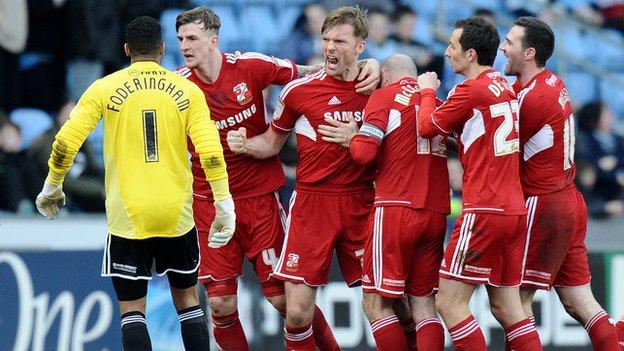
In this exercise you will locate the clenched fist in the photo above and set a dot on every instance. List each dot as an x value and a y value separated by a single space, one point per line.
428 80
236 140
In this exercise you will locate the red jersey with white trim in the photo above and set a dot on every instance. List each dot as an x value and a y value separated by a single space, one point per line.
235 100
411 170
303 105
483 115
546 135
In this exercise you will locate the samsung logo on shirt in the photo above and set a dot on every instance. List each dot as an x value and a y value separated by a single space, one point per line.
237 118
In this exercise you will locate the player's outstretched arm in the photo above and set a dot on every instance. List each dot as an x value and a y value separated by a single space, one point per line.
265 145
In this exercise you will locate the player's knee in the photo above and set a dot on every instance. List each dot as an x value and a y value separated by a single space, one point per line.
279 302
222 305
299 315
498 311
443 303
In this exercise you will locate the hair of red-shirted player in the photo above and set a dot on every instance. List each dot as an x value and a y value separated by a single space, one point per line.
143 36
352 15
537 35
202 15
481 36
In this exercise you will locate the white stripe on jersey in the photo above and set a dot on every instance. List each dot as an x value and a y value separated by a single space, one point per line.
184 72
524 92
303 127
394 121
320 75
542 140
473 129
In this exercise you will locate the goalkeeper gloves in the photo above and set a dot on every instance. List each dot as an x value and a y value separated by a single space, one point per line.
223 226
49 199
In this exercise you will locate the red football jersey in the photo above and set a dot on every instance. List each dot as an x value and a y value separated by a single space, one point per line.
235 100
483 115
411 170
546 135
303 106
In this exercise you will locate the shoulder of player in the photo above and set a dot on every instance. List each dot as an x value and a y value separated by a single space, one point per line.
249 60
299 84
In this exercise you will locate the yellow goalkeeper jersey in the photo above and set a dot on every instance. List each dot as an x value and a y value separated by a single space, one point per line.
148 112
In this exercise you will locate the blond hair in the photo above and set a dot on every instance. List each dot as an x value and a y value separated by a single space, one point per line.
355 16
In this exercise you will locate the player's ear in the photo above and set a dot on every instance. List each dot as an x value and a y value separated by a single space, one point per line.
471 55
360 47
529 54
127 49
161 49
214 41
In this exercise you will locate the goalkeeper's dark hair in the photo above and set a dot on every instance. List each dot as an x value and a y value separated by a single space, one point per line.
203 16
481 36
143 36
539 36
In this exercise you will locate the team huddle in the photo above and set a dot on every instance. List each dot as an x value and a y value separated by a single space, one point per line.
372 185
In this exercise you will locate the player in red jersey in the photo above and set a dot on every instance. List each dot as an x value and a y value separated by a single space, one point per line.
557 221
333 195
232 85
406 233
487 243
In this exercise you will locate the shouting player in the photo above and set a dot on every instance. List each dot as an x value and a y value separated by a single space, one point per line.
333 195
233 85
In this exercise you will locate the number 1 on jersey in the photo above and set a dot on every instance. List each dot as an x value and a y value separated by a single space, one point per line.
150 135
569 139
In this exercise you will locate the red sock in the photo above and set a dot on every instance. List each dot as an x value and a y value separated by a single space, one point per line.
522 336
389 334
619 326
323 335
467 336
602 333
299 339
430 335
228 333
409 330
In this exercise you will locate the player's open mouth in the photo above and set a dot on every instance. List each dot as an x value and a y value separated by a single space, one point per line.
331 60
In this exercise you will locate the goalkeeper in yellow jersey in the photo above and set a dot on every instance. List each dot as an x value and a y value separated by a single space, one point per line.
148 113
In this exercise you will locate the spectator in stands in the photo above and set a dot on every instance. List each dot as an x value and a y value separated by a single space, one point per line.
14 196
305 40
41 67
13 34
613 13
602 150
378 45
404 19
84 184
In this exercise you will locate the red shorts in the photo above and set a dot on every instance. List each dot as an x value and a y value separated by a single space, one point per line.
556 255
259 236
486 249
403 251
318 224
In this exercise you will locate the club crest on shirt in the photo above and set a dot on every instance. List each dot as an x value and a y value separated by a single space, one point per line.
243 95
292 264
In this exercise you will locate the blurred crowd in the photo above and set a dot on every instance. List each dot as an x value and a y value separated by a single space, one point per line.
52 50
